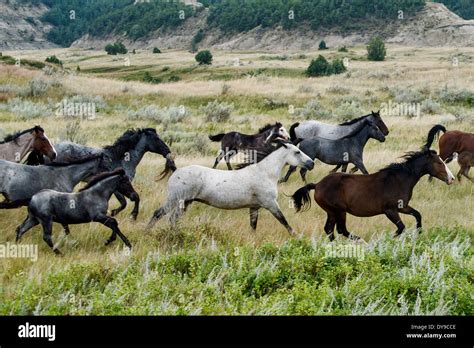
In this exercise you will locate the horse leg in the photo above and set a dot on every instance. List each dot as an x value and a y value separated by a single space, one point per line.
122 201
111 223
395 218
158 214
465 172
341 227
303 174
359 164
329 226
276 212
335 169
47 223
136 199
10 205
228 156
66 228
290 171
219 158
29 222
353 170
415 213
253 218
459 174
344 167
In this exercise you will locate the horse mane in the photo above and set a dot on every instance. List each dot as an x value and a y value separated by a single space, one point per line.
79 161
128 140
357 130
269 126
102 176
14 136
347 123
407 164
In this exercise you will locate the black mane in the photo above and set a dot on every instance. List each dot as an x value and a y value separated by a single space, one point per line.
407 164
79 161
347 123
14 136
102 176
269 126
126 142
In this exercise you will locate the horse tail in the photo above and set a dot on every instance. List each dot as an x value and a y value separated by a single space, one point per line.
301 197
217 137
432 134
292 131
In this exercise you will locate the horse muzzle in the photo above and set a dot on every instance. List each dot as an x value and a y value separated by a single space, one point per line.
308 165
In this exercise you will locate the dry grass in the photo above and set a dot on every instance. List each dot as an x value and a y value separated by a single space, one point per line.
410 68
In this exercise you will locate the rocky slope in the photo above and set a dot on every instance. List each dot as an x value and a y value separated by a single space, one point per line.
20 27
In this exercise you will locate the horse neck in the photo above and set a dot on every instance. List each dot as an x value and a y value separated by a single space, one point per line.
105 188
21 145
273 164
135 155
78 172
349 128
409 180
362 137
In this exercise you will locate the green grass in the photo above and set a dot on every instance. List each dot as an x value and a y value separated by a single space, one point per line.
429 273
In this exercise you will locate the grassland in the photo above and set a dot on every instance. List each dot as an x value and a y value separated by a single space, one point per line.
213 263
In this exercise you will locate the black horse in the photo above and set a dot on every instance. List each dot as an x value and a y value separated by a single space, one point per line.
232 142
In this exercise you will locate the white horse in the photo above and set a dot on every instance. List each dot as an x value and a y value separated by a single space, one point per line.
312 128
253 187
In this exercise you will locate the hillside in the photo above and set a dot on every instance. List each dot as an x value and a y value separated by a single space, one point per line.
148 25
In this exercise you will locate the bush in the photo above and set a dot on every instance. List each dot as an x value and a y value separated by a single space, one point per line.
217 112
313 110
338 67
204 57
343 49
26 109
376 49
147 77
36 87
166 116
54 60
156 50
322 45
116 48
318 67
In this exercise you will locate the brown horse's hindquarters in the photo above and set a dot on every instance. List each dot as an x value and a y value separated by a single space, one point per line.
455 141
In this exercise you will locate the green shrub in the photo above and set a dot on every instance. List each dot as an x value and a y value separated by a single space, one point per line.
376 49
116 48
204 57
322 45
54 60
156 50
217 112
318 67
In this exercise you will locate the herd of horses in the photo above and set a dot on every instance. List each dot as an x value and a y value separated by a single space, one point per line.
42 176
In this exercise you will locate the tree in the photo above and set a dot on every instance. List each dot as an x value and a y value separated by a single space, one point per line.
54 60
204 57
376 49
338 67
318 67
156 50
322 45
116 48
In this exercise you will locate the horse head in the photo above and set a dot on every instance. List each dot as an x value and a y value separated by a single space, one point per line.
41 144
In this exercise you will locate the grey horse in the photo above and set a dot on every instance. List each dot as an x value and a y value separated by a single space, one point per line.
88 205
126 153
312 128
341 152
19 182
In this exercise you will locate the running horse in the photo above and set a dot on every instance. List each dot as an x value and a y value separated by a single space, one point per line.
15 146
450 142
387 191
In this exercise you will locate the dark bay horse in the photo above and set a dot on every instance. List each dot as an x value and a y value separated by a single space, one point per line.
90 204
341 152
127 152
233 142
15 146
450 142
387 191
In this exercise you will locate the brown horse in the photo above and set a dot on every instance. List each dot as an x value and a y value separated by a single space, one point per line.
450 142
387 191
15 146
465 161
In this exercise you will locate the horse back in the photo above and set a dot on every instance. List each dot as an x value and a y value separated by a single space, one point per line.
455 141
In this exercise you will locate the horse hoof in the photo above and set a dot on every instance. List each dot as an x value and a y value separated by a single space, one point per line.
57 252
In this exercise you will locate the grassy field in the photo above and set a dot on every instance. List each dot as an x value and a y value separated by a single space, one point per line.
213 263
